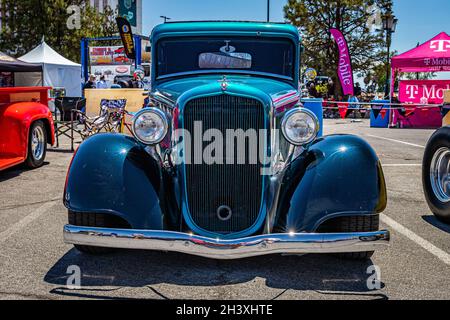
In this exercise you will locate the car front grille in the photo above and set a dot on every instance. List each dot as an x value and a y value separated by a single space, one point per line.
235 187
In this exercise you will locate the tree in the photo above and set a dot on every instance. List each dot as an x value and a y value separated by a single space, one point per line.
28 21
418 76
375 78
353 18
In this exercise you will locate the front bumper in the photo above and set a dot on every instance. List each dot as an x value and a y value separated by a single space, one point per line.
298 243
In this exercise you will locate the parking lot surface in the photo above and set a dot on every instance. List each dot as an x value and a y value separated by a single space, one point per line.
34 259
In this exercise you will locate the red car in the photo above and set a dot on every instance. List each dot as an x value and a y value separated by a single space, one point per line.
26 126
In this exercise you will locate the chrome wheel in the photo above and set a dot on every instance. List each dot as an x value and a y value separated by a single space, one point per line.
38 143
440 174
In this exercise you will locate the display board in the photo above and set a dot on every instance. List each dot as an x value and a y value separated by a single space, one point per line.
135 99
109 61
423 91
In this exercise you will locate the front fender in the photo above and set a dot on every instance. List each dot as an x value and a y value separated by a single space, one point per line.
113 174
15 123
337 176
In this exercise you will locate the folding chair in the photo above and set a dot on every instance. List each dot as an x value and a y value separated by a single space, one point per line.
116 110
110 118
64 117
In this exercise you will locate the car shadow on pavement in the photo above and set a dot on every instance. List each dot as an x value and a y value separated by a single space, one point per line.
436 223
57 150
16 171
322 274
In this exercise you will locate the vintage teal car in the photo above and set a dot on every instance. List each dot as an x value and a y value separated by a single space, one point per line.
225 162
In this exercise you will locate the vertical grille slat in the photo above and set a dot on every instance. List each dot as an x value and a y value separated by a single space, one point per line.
238 186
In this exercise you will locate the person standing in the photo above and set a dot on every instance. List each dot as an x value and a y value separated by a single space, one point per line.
102 84
358 90
312 90
90 84
330 88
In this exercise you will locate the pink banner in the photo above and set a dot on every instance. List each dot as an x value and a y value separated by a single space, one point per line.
345 70
433 55
423 91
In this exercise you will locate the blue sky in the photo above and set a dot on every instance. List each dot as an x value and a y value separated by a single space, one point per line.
419 20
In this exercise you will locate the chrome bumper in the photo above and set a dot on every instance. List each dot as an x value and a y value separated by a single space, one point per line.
298 243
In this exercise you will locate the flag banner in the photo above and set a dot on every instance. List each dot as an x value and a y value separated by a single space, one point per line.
343 110
345 71
127 37
376 109
445 109
128 9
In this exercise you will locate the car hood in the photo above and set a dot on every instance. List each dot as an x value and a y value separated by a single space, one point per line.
272 91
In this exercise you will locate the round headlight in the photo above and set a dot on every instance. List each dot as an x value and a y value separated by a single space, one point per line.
300 126
150 126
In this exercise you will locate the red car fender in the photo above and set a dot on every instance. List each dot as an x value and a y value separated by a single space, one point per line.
15 122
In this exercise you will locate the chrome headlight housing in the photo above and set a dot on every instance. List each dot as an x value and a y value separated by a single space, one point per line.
150 126
300 126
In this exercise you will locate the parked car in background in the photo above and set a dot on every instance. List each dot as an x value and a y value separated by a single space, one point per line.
436 174
26 126
174 186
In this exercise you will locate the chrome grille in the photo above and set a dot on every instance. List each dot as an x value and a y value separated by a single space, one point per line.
237 186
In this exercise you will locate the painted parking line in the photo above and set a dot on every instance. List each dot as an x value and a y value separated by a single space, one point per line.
26 221
428 246
397 141
395 165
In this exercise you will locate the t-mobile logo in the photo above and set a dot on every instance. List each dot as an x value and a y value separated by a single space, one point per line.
440 45
412 91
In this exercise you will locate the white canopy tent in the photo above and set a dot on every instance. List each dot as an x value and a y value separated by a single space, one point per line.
57 71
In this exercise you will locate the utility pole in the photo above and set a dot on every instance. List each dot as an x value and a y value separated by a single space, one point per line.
165 18
268 10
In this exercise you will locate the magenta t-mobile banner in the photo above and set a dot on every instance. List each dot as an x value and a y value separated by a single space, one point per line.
345 70
423 91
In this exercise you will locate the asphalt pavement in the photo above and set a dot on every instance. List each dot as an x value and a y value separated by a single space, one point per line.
34 261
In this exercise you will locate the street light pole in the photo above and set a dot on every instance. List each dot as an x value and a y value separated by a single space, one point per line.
388 65
389 25
268 10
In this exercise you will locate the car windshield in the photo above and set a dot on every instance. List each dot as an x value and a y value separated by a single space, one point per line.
260 55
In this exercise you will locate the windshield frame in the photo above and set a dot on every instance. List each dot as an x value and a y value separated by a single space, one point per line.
295 62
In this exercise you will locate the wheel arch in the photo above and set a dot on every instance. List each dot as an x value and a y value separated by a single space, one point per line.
113 174
337 176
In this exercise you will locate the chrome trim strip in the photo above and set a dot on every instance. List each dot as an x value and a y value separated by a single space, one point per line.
289 243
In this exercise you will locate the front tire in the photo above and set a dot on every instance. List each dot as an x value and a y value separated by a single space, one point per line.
89 220
436 175
37 145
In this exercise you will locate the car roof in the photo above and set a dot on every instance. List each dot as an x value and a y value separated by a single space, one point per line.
186 28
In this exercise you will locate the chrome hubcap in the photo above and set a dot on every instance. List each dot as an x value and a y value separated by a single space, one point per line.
440 174
37 143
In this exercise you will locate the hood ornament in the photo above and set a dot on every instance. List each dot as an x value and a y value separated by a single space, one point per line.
224 83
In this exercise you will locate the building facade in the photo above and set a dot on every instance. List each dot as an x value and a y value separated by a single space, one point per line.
130 8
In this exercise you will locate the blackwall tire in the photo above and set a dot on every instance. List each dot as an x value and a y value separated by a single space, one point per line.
37 145
349 225
435 177
89 220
